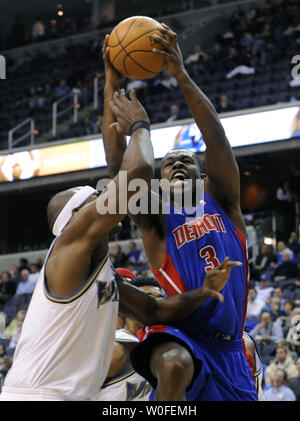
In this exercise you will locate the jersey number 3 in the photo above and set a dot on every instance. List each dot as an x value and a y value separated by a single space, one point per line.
209 254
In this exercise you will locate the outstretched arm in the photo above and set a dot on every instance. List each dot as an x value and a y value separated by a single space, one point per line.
114 142
148 310
220 163
151 226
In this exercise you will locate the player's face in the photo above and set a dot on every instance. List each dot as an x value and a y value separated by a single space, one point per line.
178 167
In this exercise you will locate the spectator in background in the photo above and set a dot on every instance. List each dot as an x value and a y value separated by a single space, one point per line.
7 288
287 270
263 261
118 257
254 306
136 258
82 92
140 86
37 101
274 309
293 243
39 263
195 56
293 335
87 126
224 104
278 391
164 82
26 286
97 125
15 337
5 364
34 273
38 30
280 247
282 360
286 208
238 63
174 113
14 273
62 89
134 254
48 94
264 290
23 264
267 331
294 383
12 328
286 320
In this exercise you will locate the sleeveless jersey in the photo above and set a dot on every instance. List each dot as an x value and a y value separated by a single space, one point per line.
258 371
195 245
66 344
129 386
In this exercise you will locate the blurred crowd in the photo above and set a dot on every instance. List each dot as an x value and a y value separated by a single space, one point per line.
247 65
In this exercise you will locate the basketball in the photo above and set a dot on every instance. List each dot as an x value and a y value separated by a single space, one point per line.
130 48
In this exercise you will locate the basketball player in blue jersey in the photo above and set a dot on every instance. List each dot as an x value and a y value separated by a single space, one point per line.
202 358
67 337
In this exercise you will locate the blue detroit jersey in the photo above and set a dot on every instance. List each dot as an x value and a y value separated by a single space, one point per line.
195 246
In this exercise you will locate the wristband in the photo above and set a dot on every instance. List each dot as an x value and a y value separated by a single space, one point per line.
139 124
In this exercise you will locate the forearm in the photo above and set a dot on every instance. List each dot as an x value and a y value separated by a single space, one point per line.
203 111
138 160
114 143
148 310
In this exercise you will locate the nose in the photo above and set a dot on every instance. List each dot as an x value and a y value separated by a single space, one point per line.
177 164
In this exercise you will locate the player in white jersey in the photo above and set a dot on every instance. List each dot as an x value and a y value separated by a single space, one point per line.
256 363
122 382
67 338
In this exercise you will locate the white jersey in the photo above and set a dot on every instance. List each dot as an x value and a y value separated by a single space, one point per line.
128 387
66 344
258 373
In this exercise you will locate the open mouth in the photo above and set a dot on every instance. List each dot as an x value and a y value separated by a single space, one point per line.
178 176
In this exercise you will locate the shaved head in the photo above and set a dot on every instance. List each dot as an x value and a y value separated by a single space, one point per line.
57 203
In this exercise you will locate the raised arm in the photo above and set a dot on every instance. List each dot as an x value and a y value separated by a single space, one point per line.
151 226
114 142
220 163
92 224
176 308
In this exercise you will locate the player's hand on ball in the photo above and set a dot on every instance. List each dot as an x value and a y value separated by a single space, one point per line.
112 77
127 111
216 279
171 52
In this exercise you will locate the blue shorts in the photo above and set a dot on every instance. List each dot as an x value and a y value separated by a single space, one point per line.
222 371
